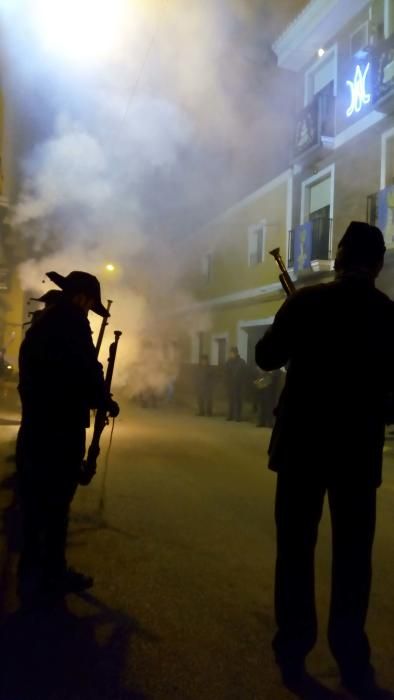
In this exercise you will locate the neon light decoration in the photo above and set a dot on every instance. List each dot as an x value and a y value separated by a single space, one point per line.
358 92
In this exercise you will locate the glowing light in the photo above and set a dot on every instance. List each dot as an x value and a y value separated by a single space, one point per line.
321 53
110 267
79 30
359 95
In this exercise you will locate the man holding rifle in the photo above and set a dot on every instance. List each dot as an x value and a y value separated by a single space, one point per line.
337 341
61 380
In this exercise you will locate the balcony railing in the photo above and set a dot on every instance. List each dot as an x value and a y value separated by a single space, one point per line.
321 241
314 123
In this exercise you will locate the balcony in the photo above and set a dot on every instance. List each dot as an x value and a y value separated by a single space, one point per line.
321 253
315 127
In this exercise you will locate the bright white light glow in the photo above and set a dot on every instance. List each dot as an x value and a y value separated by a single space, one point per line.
358 92
110 267
321 53
79 30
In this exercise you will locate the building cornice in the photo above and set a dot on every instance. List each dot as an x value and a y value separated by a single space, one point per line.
234 298
314 27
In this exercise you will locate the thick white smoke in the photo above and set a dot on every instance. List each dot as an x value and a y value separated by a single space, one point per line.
119 165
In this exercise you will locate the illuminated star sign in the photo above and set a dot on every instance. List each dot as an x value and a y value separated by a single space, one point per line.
359 95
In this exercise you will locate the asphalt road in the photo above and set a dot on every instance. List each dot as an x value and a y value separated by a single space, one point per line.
183 558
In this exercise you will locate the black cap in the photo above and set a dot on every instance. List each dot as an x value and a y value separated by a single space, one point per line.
50 297
361 245
78 282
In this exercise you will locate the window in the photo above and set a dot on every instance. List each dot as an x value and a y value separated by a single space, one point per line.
207 267
317 206
319 195
256 244
321 228
359 41
320 75
376 25
389 18
219 345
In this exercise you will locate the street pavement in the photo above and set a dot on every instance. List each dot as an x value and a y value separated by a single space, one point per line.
181 546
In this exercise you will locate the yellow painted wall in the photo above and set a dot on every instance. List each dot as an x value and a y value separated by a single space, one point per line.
227 240
2 136
227 319
13 318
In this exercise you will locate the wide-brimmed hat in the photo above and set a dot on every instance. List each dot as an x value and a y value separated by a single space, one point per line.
50 297
78 282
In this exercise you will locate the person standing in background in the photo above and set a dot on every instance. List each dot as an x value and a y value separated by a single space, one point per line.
204 386
236 370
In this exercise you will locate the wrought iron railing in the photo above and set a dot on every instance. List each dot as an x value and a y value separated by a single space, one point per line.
314 122
321 241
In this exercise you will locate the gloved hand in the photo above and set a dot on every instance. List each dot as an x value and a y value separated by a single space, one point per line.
113 408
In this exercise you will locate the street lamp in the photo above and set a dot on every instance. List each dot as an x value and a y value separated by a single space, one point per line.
79 30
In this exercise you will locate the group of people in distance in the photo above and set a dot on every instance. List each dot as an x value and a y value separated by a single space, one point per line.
240 382
336 341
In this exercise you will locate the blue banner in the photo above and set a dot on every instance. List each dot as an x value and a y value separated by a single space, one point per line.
303 246
385 218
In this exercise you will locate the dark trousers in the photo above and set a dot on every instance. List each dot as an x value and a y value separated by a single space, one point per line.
48 468
264 409
235 403
298 510
204 402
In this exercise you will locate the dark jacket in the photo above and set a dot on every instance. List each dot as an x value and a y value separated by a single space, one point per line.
60 378
204 378
235 369
337 341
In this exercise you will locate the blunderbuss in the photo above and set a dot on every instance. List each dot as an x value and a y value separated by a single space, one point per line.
89 465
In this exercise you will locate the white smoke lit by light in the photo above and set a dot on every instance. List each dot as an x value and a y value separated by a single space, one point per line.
124 119
79 30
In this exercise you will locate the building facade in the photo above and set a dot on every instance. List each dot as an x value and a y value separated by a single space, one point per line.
11 295
236 283
341 167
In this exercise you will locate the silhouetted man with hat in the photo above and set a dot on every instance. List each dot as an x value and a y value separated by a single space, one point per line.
49 299
60 382
337 341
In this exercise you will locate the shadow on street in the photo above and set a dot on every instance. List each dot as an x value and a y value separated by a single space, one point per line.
51 653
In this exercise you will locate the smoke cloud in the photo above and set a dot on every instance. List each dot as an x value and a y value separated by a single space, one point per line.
121 159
